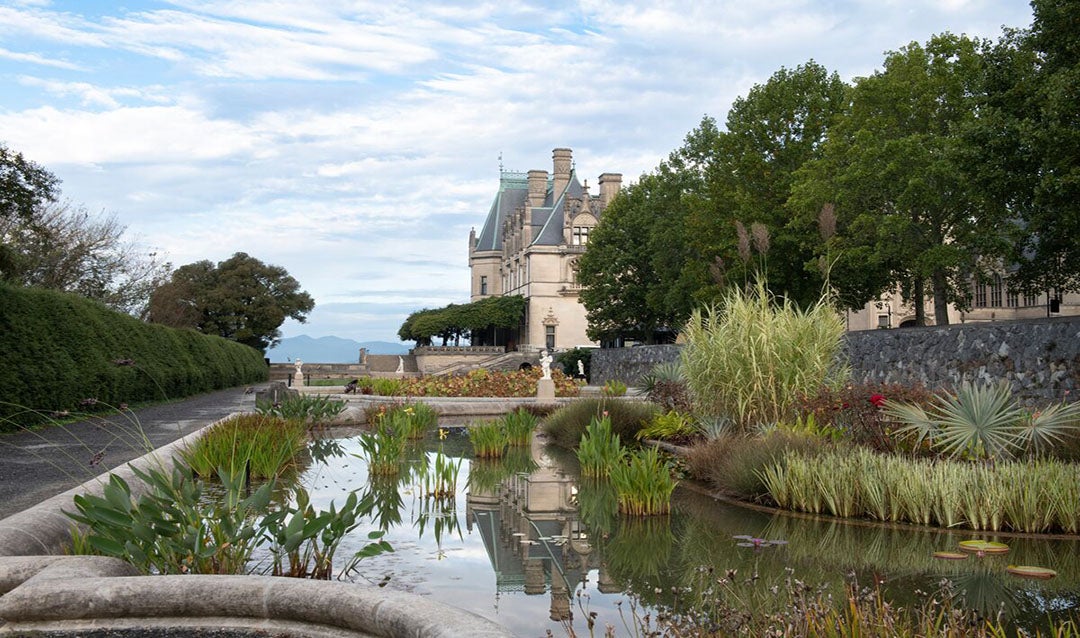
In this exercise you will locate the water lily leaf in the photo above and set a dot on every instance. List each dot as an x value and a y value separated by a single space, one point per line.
1029 571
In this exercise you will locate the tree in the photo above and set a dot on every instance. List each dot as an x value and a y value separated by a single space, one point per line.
63 247
770 133
1025 146
893 169
241 299
459 320
24 188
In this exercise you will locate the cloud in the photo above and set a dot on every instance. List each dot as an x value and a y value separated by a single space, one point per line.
34 58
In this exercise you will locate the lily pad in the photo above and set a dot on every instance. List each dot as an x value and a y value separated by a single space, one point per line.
1028 571
985 547
950 555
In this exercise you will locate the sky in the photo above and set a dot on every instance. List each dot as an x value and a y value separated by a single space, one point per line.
356 143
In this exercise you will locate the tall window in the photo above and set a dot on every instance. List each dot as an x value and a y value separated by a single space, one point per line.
549 337
483 284
1012 299
995 292
580 235
1030 299
980 294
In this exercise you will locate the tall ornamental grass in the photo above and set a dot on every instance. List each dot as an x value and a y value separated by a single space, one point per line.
754 357
1036 496
270 444
519 426
489 439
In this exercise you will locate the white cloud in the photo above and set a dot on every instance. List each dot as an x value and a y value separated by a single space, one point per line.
34 58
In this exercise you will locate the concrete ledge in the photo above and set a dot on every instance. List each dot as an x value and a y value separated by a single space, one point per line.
360 610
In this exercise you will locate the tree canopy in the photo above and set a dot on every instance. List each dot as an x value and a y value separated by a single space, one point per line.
459 320
241 298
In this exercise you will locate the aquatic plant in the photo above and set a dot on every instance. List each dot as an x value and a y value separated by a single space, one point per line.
307 408
600 450
439 480
644 483
566 425
261 444
488 439
384 448
519 426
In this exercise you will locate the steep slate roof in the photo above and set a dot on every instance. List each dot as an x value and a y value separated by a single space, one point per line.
547 220
513 192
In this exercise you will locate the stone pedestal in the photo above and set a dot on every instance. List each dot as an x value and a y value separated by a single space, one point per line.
545 390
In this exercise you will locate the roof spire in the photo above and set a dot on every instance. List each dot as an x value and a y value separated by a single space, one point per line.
500 162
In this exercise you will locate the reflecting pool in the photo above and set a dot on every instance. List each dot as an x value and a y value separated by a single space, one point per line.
528 544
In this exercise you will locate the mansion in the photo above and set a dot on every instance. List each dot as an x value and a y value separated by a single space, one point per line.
534 233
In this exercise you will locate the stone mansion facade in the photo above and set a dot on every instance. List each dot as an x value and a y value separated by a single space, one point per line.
537 228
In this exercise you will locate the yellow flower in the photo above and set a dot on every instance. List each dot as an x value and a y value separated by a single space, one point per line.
442 434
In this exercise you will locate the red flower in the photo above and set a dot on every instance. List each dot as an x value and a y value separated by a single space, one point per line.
877 399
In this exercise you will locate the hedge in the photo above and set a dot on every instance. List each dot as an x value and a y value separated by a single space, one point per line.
58 351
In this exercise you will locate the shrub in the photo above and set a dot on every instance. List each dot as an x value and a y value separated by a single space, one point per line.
566 425
856 410
387 387
568 360
72 353
670 426
306 408
732 463
753 358
614 388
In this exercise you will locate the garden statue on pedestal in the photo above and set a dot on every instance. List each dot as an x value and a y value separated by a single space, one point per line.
545 387
298 376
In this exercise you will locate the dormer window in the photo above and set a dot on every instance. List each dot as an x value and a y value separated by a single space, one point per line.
580 235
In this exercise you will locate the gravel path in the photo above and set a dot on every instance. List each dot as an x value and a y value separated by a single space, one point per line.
41 463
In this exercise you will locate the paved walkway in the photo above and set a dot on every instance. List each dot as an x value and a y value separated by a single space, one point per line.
38 464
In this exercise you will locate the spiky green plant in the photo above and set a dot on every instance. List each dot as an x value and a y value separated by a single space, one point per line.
614 388
669 425
754 357
644 483
488 439
308 408
600 449
981 421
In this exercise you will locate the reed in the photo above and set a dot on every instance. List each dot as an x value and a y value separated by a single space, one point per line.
263 445
488 439
644 484
519 426
600 450
440 480
1038 496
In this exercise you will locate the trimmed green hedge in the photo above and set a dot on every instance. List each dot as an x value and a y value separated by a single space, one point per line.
57 350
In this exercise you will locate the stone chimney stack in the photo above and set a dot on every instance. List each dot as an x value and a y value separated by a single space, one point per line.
537 187
610 183
563 159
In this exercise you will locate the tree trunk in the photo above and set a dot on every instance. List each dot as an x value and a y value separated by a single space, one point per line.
941 298
918 298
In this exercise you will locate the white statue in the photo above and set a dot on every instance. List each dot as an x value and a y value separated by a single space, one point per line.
545 363
298 376
400 365
581 368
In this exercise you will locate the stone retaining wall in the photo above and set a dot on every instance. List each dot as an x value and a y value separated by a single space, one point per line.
1040 358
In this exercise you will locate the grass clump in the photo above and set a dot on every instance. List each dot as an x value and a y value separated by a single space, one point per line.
489 439
732 463
384 448
270 444
671 425
644 483
752 359
519 426
566 425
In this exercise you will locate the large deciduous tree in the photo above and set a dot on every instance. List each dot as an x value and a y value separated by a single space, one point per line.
241 298
893 168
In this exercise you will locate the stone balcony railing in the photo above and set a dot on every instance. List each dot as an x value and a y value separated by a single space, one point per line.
430 350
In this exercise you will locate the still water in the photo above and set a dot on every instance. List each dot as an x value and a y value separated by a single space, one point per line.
528 544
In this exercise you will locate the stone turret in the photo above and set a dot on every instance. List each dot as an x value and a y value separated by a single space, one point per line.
610 183
563 160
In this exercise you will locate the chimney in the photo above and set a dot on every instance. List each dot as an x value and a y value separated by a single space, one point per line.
610 183
562 158
537 187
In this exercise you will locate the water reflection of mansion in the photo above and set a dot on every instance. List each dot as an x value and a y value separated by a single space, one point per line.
533 536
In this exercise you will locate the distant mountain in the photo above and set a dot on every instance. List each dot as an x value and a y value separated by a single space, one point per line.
329 349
